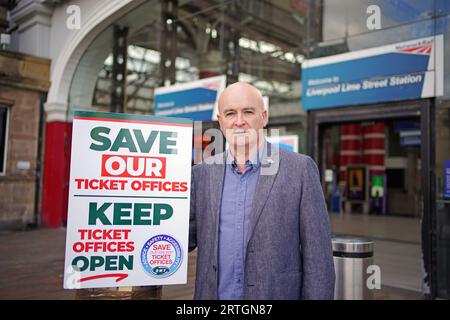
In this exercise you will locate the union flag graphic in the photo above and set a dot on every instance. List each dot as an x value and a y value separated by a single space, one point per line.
424 49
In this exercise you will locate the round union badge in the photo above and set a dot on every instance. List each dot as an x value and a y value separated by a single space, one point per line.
161 256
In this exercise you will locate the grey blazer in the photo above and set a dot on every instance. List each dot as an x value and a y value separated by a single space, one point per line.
288 253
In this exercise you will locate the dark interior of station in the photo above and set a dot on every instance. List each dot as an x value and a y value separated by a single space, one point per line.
389 157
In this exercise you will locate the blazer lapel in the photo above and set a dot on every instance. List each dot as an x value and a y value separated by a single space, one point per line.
263 188
216 176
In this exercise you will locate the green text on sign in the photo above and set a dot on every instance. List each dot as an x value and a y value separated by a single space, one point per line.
133 140
129 213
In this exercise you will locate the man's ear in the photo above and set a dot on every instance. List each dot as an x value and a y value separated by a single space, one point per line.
219 120
265 116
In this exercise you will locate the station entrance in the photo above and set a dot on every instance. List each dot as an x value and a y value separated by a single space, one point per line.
374 159
372 166
374 163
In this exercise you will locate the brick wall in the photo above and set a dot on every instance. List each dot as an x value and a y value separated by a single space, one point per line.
22 83
17 186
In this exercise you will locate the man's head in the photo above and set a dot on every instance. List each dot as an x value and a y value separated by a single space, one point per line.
241 115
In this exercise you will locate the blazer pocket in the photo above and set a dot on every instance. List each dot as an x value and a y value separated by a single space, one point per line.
288 285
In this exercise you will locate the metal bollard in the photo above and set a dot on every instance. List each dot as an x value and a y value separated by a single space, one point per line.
352 256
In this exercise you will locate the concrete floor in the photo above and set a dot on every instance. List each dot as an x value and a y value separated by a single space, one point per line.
32 263
396 229
400 264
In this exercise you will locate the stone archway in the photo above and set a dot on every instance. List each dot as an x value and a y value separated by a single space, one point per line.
67 48
66 57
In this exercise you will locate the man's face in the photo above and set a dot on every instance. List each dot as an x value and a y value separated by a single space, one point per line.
241 115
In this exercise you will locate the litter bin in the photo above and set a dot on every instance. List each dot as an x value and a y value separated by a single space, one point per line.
352 256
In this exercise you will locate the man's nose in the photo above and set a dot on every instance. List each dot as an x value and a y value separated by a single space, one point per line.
239 120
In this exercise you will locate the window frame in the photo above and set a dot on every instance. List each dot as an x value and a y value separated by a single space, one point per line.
6 140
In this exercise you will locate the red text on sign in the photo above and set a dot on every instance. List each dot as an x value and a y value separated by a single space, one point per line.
104 234
104 246
100 184
162 247
133 166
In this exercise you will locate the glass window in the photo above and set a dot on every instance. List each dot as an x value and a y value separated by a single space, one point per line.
346 24
442 7
3 132
442 138
443 198
348 17
263 45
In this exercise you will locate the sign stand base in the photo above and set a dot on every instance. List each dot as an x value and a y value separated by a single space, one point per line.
120 293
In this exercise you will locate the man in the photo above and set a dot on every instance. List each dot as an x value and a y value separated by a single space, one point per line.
260 233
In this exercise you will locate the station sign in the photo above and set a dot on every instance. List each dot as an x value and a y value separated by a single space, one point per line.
196 100
287 142
400 71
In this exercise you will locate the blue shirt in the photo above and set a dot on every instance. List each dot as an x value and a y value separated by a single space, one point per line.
237 199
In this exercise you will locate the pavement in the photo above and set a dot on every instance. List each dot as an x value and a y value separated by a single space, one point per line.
31 268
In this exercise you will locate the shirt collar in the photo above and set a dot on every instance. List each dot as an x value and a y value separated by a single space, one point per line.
254 162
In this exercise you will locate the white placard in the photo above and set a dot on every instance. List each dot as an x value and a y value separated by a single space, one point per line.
129 199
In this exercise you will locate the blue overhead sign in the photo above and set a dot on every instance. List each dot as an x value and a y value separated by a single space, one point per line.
401 71
196 100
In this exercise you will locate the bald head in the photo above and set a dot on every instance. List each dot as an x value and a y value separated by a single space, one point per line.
242 116
240 93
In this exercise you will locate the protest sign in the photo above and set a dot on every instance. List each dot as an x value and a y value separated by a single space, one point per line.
129 198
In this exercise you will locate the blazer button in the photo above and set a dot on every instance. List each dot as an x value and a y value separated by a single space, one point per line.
214 268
